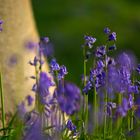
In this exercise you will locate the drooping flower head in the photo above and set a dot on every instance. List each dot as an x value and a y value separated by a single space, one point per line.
125 106
89 41
21 109
1 22
45 82
111 48
42 88
101 51
71 126
29 100
45 47
68 97
54 65
107 30
35 61
62 72
88 87
138 68
112 36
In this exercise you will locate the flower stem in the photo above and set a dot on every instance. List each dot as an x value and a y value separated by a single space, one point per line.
105 100
119 122
105 116
95 110
131 117
2 104
85 96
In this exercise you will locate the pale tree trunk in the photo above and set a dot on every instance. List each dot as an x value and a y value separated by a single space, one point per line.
18 27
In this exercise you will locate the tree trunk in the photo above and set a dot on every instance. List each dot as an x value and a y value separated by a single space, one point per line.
18 27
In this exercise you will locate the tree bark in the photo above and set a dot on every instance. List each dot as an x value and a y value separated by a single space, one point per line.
18 27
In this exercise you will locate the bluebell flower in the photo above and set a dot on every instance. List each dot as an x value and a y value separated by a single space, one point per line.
21 109
62 72
100 80
137 104
100 64
1 22
138 68
112 36
125 79
93 74
89 41
126 60
130 101
71 126
35 131
133 89
107 30
34 88
110 107
101 51
68 97
122 110
46 47
45 82
97 76
110 61
112 80
29 100
35 61
88 87
111 48
54 65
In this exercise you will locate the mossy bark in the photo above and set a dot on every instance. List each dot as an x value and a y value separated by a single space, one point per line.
18 28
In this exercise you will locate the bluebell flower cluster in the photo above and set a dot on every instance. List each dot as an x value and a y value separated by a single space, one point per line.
111 80
68 97
111 35
61 70
45 82
113 76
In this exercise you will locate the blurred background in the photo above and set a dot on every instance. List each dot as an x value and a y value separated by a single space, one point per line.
66 22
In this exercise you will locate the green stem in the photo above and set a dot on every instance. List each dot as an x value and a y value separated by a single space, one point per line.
119 122
85 96
129 123
132 115
105 116
95 111
36 95
106 100
2 104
